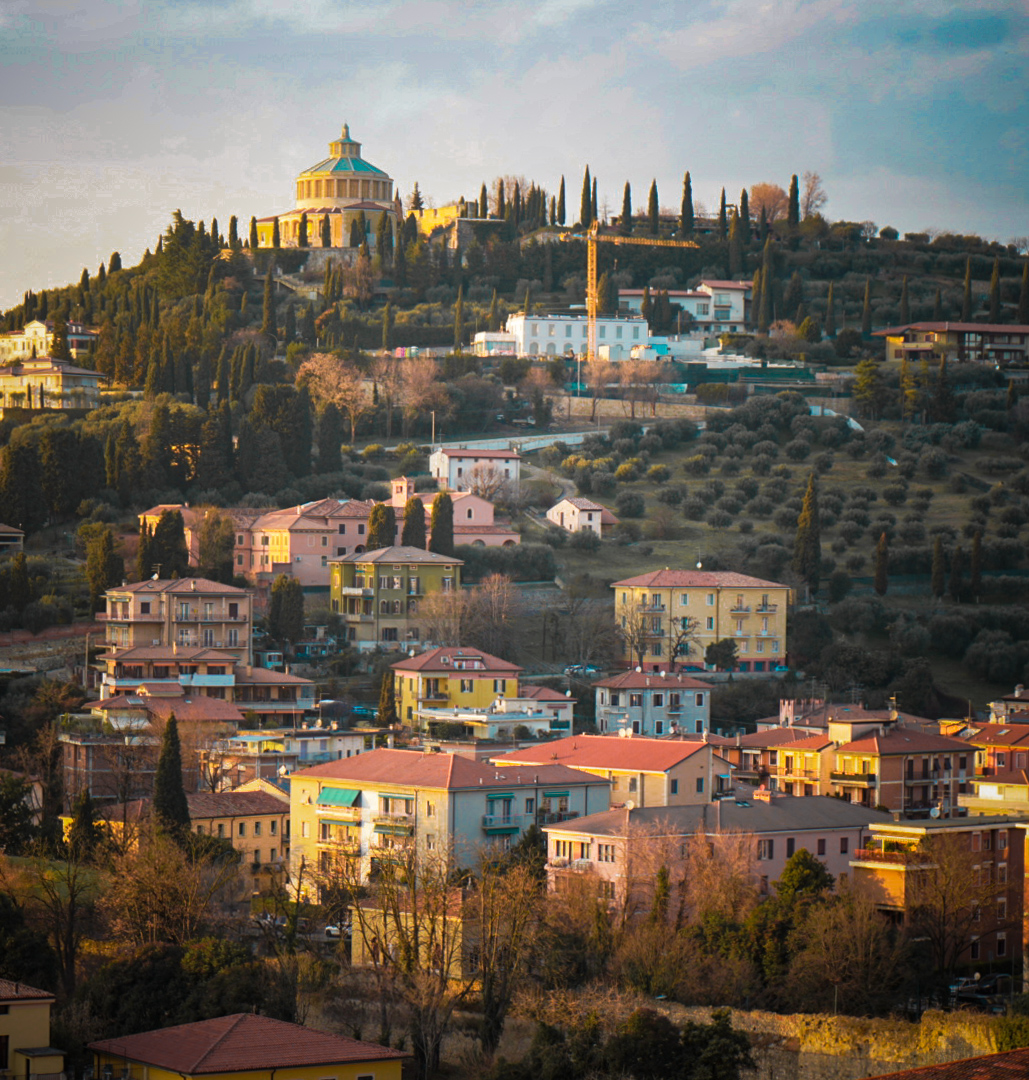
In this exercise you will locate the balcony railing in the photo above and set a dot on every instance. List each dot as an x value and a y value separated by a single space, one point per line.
651 607
766 608
343 847
344 813
740 609
857 779
501 821
894 858
196 616
800 774
393 819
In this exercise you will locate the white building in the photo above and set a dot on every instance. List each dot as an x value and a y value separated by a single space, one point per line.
716 306
499 721
575 514
460 468
653 703
565 335
494 343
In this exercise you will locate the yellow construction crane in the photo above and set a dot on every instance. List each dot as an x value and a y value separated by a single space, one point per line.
592 238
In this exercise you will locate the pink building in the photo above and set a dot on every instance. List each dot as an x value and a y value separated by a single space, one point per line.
473 516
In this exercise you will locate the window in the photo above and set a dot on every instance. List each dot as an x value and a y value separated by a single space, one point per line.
257 828
221 830
791 845
635 701
821 845
1002 944
305 828
674 787
466 686
273 827
844 845
710 623
632 783
659 701
1002 839
766 849
973 949
530 806
700 701
1002 909
144 607
242 828
200 830
700 785
605 853
1002 873
389 633
430 809
710 599
977 841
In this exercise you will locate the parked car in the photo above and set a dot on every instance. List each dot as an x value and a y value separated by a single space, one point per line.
340 929
582 669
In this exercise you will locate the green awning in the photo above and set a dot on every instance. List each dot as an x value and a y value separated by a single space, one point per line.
555 794
338 797
500 795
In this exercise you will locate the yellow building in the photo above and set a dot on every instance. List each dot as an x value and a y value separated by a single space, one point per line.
25 1050
48 384
671 616
378 593
340 189
452 678
243 1046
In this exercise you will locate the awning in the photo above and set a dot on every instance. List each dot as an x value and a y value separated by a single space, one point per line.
338 797
500 795
555 794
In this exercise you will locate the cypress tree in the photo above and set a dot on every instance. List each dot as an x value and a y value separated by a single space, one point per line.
268 314
493 315
646 304
882 561
501 205
905 307
483 208
459 318
723 221
302 233
286 609
793 213
735 245
387 326
975 567
830 313
233 232
85 834
994 292
765 311
938 307
387 700
687 221
442 525
745 214
382 527
653 212
957 565
966 301
253 234
553 210
762 225
171 810
325 231
625 220
807 547
561 202
413 534
289 332
307 328
1022 315
793 299
866 311
937 577
114 263
330 438
276 237
593 202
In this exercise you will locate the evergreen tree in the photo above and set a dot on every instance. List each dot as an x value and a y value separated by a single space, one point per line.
647 305
723 221
735 245
882 563
167 546
745 215
171 810
252 239
793 213
938 307
975 567
493 315
793 298
307 329
501 202
593 202
653 211
966 301
1022 315
483 207
59 348
942 404
382 527
104 567
413 534
561 202
19 588
937 577
807 547
866 311
325 231
276 236
233 232
387 326
330 438
625 220
286 609
830 314
85 834
289 331
765 313
387 716
114 263
957 566
268 310
687 221
995 291
553 212
302 232
908 391
459 319
869 391
21 487
905 307
442 525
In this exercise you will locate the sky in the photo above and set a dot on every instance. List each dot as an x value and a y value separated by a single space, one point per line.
113 113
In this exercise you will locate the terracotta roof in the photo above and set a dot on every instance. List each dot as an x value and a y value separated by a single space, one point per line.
677 579
409 768
653 680
811 742
771 737
541 693
401 554
1009 1065
267 676
131 811
903 740
171 654
19 991
1012 777
957 327
196 709
11 530
181 585
449 660
239 1043
606 752
999 735
119 701
579 503
476 452
207 804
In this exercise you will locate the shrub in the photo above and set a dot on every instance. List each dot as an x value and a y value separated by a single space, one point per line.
693 508
719 519
670 496
658 474
745 526
824 462
933 462
855 563
373 450
604 483
786 518
895 494
627 532
521 562
697 465
761 507
651 444
797 449
555 537
630 504
877 467
627 472
626 429
761 465
584 540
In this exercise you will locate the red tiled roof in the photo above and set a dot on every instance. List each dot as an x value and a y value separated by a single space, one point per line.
677 579
410 768
181 585
197 709
1009 1065
401 554
903 741
999 735
1012 777
606 752
268 677
239 1043
771 737
475 452
653 680
716 283
211 804
19 991
541 693
449 659
957 327
171 654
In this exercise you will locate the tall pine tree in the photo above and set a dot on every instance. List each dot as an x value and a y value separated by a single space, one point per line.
807 547
561 202
442 525
793 210
171 810
413 534
585 201
938 578
653 210
966 299
995 291
687 221
625 218
1022 315
382 527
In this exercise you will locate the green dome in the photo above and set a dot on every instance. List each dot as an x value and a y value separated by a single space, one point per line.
345 158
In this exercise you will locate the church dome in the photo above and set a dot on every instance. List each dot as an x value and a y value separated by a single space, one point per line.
343 178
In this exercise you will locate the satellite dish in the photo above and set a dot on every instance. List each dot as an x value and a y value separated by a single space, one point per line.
630 804
934 812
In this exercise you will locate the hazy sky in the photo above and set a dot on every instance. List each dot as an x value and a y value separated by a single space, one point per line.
113 114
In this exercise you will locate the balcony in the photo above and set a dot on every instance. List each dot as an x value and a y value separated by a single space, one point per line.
891 858
865 780
340 813
340 847
502 822
766 609
382 818
651 608
740 609
552 818
207 680
355 590
155 617
944 776
197 617
789 773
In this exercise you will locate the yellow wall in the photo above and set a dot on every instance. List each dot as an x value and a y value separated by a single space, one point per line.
412 685
380 1070
27 1024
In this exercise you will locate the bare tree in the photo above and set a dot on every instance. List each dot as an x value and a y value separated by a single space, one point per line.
487 481
386 373
444 617
359 279
420 389
598 374
813 198
590 635
685 632
494 606
771 198
634 626
338 381
638 379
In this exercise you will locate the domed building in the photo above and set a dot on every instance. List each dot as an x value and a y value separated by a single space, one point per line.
343 190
